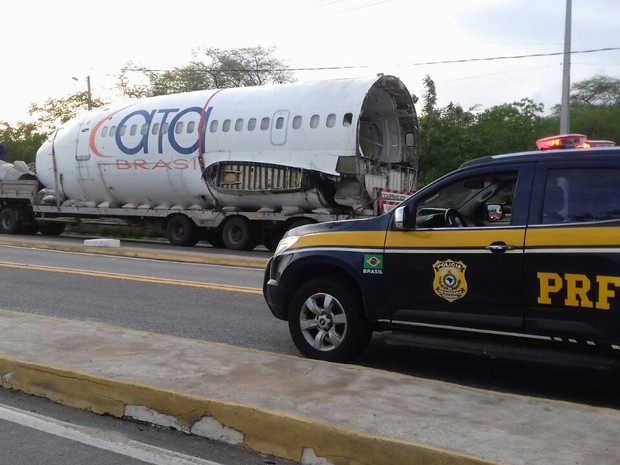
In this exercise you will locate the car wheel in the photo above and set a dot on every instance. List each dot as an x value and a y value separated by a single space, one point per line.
326 321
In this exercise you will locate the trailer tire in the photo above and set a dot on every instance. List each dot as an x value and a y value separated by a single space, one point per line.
182 231
52 229
239 234
8 221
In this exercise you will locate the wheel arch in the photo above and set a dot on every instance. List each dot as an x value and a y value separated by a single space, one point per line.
304 270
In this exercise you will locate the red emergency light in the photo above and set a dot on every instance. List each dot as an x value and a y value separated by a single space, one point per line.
569 141
598 143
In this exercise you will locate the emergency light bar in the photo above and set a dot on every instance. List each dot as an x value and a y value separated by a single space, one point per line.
569 141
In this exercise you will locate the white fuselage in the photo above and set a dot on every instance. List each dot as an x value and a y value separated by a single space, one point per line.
230 147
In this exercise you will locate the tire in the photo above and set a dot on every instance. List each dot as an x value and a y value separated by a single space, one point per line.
182 231
326 321
51 229
238 234
8 221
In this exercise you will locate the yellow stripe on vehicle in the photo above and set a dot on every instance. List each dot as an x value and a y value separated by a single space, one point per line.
573 237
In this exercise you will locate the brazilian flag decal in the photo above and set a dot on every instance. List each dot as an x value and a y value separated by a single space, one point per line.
373 262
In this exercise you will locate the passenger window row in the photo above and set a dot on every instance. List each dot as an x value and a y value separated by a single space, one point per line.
239 124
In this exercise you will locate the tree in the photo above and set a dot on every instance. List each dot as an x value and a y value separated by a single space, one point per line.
211 68
54 112
22 141
446 139
509 127
599 90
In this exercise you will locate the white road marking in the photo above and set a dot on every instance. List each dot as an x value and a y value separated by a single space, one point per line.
101 439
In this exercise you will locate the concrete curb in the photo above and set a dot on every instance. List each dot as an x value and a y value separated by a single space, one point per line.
303 440
132 252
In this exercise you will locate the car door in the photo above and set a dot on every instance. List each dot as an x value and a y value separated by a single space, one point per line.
471 276
572 260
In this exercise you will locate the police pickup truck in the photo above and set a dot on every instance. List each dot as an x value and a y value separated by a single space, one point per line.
523 245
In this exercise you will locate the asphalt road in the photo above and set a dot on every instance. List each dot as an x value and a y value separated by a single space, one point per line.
216 303
224 304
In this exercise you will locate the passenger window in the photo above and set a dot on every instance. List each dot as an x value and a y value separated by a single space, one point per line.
331 120
279 123
133 129
112 131
251 124
239 124
155 129
144 130
164 128
190 127
578 195
297 122
347 119
122 130
226 125
314 121
213 126
104 131
178 129
264 124
484 200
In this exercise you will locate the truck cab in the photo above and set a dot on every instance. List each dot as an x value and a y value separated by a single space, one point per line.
524 246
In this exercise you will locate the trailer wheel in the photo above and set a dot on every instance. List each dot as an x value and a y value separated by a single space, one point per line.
52 229
239 234
8 221
182 231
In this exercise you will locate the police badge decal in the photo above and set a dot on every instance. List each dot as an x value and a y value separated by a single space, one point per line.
450 282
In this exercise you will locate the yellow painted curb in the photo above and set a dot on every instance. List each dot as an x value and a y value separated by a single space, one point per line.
269 432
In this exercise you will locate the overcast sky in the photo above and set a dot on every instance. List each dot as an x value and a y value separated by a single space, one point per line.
45 44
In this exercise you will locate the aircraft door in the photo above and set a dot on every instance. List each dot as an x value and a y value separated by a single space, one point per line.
279 126
88 174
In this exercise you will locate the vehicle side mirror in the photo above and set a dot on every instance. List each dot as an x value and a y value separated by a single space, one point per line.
495 212
403 218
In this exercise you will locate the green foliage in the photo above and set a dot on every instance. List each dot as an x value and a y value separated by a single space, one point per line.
510 127
54 112
211 68
450 136
596 121
22 141
599 90
446 140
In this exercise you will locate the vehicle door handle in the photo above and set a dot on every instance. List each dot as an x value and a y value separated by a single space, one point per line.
499 247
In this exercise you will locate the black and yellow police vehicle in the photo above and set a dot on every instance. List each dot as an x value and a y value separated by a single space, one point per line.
523 245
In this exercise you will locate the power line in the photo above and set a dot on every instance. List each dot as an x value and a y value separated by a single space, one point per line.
426 63
513 57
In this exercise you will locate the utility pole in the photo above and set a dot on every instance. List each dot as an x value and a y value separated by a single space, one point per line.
565 108
90 97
